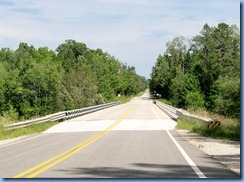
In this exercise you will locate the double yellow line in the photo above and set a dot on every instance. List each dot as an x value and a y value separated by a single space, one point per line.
42 167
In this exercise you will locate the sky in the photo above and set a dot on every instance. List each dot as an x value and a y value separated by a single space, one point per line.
133 31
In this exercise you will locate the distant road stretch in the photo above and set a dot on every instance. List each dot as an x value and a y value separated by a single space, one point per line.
133 140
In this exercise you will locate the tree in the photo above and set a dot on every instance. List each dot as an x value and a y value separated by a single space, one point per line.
176 51
161 76
78 89
70 54
206 74
36 82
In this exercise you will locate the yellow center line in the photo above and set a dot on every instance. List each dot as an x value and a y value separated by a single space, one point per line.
42 167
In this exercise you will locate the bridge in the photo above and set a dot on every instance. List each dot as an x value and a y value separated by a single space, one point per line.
132 140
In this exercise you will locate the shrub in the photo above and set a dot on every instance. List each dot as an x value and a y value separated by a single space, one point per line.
194 100
11 114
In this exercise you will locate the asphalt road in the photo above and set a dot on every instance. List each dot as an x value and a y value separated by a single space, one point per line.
133 140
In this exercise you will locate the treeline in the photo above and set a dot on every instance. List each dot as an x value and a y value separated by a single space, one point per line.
203 72
35 82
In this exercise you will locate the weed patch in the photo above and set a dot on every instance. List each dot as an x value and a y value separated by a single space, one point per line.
35 128
228 130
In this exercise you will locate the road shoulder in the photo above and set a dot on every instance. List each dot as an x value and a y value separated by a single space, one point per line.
18 139
226 152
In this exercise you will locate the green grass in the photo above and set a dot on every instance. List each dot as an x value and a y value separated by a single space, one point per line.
165 101
35 128
38 128
124 99
228 130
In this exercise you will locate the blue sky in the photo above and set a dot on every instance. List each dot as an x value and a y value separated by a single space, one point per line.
135 32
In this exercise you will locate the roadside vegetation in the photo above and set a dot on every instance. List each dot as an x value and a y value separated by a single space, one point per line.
229 129
40 127
38 81
203 74
35 128
124 99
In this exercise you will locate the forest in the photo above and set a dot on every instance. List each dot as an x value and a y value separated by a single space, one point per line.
36 82
201 73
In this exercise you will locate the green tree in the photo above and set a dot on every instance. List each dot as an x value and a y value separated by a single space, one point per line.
70 54
206 73
35 82
78 89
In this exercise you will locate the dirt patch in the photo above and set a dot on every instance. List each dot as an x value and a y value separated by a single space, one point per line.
227 152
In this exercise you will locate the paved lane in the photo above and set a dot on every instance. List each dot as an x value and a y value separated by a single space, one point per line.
133 140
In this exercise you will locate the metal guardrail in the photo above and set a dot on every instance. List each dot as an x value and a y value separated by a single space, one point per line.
60 116
169 110
79 112
176 113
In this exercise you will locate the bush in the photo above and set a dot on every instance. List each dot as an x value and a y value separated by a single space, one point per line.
11 114
194 100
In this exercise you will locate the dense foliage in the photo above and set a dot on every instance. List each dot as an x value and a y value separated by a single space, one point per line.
203 72
42 81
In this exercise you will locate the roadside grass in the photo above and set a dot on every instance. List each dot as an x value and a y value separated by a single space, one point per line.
5 120
124 99
38 128
35 128
165 101
229 129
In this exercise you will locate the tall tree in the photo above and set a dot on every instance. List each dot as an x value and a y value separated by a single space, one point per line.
206 74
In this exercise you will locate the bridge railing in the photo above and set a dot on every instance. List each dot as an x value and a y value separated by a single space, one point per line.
176 113
59 116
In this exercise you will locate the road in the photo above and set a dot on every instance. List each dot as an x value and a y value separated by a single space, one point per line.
132 140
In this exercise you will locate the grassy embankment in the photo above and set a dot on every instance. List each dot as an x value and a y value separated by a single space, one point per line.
35 128
38 128
229 128
124 99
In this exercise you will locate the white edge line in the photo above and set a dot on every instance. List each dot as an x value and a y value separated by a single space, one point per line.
187 158
22 140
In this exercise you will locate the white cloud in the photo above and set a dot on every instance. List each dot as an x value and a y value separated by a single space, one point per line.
133 31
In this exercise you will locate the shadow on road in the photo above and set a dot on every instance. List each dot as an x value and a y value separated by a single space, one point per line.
142 170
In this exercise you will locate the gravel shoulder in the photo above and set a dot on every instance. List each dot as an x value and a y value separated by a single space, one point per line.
227 152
